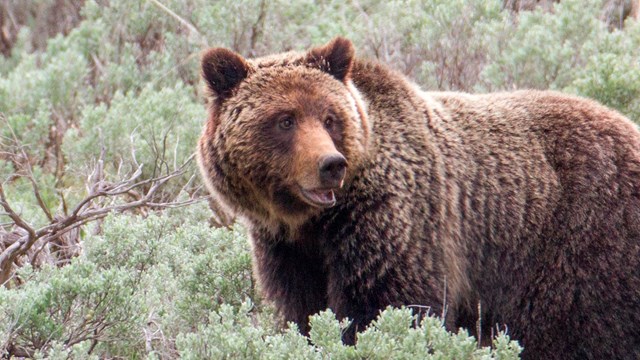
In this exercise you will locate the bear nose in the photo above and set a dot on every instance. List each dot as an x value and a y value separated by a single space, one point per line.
332 169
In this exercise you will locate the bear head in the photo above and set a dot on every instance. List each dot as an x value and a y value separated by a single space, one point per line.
284 132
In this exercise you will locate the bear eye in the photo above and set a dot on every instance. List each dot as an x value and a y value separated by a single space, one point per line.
328 121
286 122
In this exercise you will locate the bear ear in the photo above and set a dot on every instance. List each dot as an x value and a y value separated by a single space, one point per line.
223 70
334 58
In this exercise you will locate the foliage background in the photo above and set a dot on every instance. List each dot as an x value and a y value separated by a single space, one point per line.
114 84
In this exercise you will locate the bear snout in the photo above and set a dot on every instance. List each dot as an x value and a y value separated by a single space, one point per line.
332 169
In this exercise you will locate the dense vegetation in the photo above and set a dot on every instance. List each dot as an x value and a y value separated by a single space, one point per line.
108 245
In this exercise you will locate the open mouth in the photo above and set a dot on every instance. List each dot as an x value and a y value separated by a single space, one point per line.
320 197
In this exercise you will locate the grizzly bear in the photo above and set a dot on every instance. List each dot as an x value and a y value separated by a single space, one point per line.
361 191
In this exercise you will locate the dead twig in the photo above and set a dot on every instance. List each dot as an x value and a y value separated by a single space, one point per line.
85 211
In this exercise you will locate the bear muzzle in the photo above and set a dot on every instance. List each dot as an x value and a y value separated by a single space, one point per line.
331 172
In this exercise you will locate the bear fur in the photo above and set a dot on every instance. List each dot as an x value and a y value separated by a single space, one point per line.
526 203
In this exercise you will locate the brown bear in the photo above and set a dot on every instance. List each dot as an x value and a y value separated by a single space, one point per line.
361 191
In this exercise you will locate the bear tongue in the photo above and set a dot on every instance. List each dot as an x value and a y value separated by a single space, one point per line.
323 196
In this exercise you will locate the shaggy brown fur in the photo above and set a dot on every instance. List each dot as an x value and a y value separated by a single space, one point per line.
527 202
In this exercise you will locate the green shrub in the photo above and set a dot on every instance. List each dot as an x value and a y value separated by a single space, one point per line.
159 126
611 75
542 50
57 77
568 49
70 305
161 271
167 285
232 334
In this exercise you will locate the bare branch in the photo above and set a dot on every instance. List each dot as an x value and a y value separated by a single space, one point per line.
87 210
13 215
36 192
27 168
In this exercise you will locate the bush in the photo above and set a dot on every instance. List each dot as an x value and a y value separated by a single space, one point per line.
157 129
137 285
231 334
167 286
568 49
71 305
